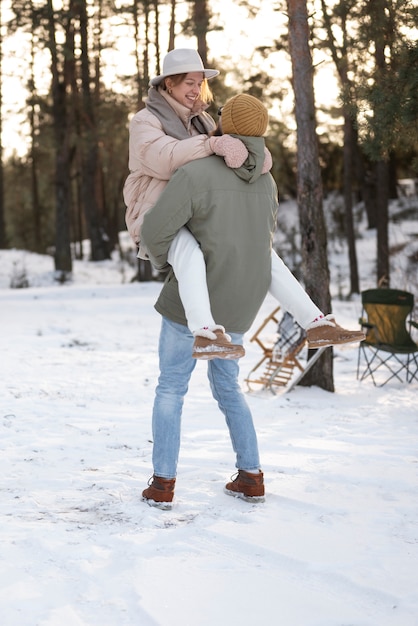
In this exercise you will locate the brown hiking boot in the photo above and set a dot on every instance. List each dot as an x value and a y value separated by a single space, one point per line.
219 348
247 486
326 332
160 492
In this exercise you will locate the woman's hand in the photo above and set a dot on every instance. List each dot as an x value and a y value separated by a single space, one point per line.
232 149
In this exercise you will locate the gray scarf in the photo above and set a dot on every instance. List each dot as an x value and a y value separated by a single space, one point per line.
171 123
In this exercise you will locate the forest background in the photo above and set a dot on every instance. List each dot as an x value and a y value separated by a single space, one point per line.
340 79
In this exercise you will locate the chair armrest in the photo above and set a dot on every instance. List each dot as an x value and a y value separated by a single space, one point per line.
364 323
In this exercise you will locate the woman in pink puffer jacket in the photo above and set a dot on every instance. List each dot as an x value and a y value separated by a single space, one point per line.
172 130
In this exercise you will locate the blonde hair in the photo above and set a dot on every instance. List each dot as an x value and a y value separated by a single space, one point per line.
205 91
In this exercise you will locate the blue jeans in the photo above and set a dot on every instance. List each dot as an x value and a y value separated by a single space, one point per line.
176 367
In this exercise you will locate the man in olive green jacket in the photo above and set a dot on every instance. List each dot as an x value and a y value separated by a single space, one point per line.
232 214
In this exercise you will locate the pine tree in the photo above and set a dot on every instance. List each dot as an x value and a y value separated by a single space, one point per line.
309 184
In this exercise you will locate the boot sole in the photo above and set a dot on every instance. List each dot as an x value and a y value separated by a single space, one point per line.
242 496
218 354
313 345
163 506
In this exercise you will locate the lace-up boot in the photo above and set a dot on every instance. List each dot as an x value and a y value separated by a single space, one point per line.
160 492
247 486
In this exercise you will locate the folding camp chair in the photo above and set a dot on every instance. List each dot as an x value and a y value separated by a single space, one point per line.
388 350
284 361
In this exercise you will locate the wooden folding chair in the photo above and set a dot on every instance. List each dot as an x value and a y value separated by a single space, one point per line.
285 354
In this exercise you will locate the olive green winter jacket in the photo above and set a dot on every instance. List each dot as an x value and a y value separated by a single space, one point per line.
232 214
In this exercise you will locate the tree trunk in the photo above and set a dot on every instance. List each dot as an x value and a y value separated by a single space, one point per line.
201 25
146 45
393 178
382 177
157 35
139 75
99 240
382 36
172 28
349 142
366 174
340 55
2 221
37 237
63 261
144 270
309 185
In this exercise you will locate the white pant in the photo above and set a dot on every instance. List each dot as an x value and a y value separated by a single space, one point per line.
188 263
186 259
290 293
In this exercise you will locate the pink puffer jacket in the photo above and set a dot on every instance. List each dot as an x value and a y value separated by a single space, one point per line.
153 158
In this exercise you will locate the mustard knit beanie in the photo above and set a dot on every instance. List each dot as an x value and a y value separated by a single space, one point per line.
244 115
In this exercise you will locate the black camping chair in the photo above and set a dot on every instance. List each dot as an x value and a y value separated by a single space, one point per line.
388 351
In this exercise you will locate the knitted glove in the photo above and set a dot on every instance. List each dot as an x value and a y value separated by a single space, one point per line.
231 148
268 161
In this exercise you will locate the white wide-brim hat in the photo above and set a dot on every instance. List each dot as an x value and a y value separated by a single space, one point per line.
182 61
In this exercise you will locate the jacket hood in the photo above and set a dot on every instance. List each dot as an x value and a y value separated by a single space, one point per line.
250 171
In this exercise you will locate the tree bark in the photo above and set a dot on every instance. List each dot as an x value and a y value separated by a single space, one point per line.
340 56
382 178
144 269
382 36
309 185
37 237
99 240
63 260
172 27
139 75
201 24
2 220
349 148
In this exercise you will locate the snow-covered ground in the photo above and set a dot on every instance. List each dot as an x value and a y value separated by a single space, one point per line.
335 543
